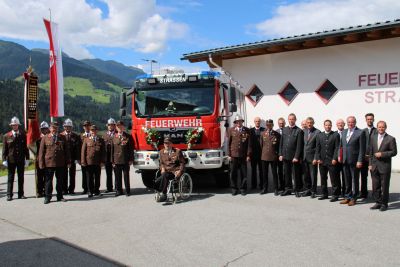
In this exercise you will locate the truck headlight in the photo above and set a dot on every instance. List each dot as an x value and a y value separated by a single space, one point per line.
213 154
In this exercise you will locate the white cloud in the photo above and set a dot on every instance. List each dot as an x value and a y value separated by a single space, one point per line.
319 15
131 24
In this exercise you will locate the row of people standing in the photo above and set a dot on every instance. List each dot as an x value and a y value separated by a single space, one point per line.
295 155
59 152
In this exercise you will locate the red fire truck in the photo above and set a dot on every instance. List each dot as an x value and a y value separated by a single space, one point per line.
194 110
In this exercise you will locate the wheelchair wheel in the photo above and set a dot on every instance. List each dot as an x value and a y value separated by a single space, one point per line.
185 186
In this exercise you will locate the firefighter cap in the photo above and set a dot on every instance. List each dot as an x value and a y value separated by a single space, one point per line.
110 121
44 125
68 122
238 117
14 121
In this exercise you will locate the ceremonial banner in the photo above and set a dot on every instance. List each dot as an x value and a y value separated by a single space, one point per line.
31 122
56 71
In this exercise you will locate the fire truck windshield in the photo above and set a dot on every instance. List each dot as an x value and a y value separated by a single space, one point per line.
164 102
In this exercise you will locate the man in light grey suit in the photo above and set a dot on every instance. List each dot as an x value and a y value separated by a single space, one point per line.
353 146
382 148
310 166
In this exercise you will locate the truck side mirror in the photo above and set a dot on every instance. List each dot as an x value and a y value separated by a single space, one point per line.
232 95
122 100
232 107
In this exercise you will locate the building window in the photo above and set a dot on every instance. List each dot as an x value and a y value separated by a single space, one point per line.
326 91
288 93
254 95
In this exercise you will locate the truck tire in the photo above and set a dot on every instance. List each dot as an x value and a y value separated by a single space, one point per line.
148 178
222 179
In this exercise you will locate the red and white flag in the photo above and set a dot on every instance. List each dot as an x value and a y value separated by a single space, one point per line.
56 71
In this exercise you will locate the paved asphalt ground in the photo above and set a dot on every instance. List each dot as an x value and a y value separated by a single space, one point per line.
213 228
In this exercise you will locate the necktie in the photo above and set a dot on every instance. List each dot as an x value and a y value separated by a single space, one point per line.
380 138
348 136
309 135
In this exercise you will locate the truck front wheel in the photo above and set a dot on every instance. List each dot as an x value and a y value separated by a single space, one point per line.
148 178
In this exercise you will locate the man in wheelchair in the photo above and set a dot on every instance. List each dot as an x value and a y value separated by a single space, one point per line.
172 165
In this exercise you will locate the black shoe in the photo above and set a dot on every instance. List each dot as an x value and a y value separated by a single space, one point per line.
97 194
306 193
286 193
323 197
71 192
61 200
334 199
127 194
234 192
22 197
90 195
276 193
39 195
118 194
314 195
263 192
243 192
383 208
65 192
377 206
297 194
46 201
9 198
108 191
163 197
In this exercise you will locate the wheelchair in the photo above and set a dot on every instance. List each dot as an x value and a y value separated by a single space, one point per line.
178 188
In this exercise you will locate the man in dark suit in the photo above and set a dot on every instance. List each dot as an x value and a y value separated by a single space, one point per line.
310 167
353 147
255 134
269 155
369 131
239 152
340 128
382 148
326 155
15 157
281 125
291 153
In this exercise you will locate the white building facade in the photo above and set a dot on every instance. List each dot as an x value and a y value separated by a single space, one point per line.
341 74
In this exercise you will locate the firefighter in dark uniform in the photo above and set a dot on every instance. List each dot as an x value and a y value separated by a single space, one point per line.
269 142
121 158
108 137
40 173
93 157
84 135
15 157
239 152
74 144
54 157
172 164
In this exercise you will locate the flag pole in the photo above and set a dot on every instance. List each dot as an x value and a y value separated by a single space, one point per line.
51 118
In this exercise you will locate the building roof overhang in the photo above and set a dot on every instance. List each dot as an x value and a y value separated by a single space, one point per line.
355 34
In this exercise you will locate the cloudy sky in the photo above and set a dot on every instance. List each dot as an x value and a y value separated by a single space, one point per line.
129 31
